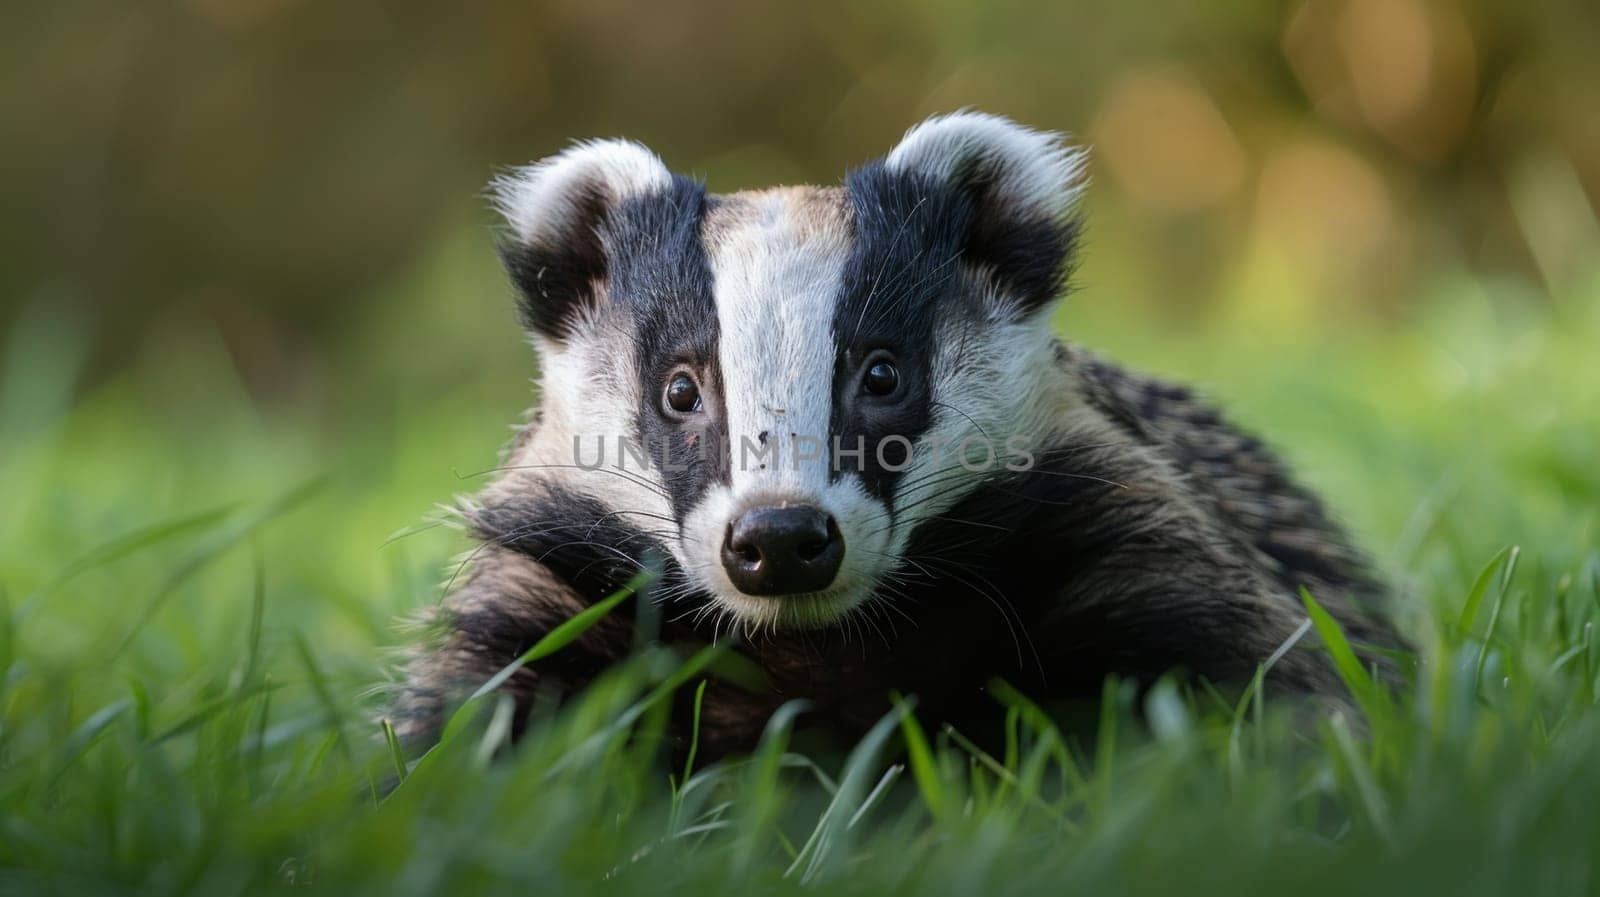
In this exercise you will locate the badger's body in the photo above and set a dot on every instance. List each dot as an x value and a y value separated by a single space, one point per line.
856 442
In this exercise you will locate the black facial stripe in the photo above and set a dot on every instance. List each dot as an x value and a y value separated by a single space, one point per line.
1027 253
555 279
659 273
909 235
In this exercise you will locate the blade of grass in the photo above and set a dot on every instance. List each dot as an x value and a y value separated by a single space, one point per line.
1480 587
1345 662
1509 571
924 768
1166 712
877 793
680 787
258 605
694 730
87 733
982 758
737 669
760 784
395 753
553 641
1372 801
141 708
696 664
1105 750
818 852
1042 724
556 639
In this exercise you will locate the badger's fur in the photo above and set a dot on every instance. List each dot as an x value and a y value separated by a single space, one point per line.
1132 532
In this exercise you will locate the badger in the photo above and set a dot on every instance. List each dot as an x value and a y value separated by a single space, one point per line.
838 426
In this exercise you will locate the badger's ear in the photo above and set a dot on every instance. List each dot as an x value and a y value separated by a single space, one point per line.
554 210
1022 186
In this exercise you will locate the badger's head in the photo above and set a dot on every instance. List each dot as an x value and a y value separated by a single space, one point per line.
779 387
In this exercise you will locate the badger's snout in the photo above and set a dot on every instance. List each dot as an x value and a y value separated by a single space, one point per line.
782 550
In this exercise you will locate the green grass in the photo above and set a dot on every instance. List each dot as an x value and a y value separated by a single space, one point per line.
196 588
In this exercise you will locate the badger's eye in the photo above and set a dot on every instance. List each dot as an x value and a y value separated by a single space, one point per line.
682 396
882 378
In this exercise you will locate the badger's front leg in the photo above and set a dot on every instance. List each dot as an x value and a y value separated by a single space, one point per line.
507 603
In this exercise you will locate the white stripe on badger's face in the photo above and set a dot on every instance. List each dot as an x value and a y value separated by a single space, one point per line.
777 278
777 260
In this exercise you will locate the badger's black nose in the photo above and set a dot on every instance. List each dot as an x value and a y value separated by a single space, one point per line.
782 550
